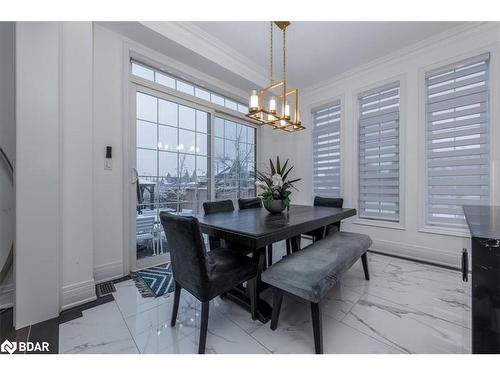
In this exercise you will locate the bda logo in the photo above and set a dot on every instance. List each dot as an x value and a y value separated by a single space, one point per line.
8 347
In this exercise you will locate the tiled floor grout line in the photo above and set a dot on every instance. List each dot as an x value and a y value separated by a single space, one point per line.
128 328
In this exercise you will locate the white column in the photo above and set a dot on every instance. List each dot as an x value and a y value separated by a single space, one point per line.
38 172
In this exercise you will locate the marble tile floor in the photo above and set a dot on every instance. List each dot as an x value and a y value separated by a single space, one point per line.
406 307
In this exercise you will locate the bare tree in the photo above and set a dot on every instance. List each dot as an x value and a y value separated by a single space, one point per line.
235 168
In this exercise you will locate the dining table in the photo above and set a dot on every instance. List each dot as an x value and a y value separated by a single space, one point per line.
256 228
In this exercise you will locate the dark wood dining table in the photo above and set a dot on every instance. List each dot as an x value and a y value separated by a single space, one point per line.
256 228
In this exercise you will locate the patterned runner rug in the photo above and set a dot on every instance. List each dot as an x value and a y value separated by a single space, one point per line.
154 281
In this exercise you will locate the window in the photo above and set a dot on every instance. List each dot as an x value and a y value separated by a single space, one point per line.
172 156
234 160
326 151
457 141
379 153
167 80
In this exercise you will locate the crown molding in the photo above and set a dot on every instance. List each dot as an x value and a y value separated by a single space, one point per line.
199 41
450 35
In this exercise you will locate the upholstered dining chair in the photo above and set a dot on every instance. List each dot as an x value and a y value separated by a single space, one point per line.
325 202
203 274
214 207
244 203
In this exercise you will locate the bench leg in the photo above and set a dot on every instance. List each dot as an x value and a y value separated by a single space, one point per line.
288 247
317 327
277 299
364 260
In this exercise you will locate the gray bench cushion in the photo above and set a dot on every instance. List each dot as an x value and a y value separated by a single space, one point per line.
312 271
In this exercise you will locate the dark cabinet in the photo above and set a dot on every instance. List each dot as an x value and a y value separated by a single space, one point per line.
484 224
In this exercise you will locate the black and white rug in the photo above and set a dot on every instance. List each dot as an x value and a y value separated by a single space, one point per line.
154 281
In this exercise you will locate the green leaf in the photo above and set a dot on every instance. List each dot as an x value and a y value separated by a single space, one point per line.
278 167
283 168
292 181
286 174
273 170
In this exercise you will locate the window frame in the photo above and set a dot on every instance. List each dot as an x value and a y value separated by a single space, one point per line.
402 79
493 132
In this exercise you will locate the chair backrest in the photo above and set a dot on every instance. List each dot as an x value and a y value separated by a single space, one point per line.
187 252
218 206
244 203
328 202
144 224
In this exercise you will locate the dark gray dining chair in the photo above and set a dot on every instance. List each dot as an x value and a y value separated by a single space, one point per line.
203 274
214 207
325 202
244 203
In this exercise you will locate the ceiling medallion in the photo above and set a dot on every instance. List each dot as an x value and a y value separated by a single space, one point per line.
276 105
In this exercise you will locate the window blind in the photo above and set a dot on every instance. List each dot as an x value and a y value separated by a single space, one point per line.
326 151
457 141
379 153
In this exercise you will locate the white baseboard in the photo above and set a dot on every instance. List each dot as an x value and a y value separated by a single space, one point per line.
78 293
108 271
421 253
6 296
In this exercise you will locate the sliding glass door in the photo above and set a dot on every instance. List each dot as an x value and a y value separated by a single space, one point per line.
172 167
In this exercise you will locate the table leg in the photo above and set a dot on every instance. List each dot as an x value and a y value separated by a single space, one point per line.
295 243
240 295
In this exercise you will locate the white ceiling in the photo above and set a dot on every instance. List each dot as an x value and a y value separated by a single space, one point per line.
317 51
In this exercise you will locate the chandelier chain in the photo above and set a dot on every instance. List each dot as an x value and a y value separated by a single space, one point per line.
271 54
284 54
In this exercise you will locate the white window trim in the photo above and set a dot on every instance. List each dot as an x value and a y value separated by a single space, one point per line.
341 100
401 225
494 51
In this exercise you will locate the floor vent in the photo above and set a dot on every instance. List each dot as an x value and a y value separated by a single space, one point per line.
103 289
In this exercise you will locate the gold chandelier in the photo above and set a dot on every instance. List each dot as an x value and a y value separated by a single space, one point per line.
276 105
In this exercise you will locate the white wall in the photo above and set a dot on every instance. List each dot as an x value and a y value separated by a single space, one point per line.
408 66
108 131
38 175
7 142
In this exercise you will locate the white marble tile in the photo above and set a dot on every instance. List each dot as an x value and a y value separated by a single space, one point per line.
100 330
151 329
223 337
235 313
131 302
294 335
430 289
406 329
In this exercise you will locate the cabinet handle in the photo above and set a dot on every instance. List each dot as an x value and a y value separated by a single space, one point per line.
465 265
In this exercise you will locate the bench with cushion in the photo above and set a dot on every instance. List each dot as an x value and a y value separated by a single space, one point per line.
313 271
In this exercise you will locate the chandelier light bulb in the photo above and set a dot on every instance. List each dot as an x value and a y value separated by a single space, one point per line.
272 105
254 101
287 111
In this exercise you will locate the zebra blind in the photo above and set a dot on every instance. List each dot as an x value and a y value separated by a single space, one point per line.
326 151
379 153
457 137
